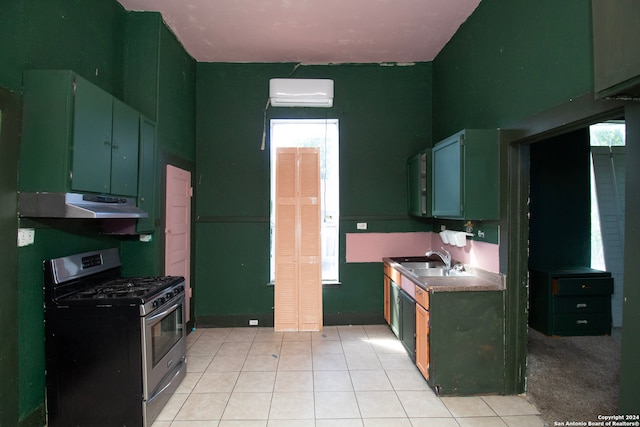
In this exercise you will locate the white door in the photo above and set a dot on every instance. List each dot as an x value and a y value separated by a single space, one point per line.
177 259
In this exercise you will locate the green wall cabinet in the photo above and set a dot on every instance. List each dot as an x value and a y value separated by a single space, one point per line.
616 53
466 176
124 150
419 184
76 137
147 175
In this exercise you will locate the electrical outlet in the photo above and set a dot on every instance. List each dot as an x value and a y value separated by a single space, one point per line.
443 227
26 236
361 226
253 322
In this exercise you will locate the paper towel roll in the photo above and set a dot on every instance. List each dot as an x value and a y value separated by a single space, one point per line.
460 239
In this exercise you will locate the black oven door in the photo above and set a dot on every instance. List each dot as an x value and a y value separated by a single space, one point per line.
164 354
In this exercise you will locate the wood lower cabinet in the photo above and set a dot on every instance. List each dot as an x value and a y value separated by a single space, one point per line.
391 298
455 338
574 301
422 340
387 299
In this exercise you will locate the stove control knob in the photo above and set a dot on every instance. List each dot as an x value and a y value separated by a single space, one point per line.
169 295
160 300
155 303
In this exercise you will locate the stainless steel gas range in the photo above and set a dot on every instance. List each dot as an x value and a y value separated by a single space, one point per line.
115 347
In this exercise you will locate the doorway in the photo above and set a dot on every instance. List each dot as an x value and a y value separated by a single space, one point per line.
561 368
178 228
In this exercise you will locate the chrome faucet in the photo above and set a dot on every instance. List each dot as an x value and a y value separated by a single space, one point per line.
446 257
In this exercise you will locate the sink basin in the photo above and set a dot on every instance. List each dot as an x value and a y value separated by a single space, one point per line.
422 265
438 272
429 272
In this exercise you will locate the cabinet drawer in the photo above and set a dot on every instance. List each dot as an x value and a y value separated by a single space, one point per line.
582 304
392 273
582 324
583 286
422 297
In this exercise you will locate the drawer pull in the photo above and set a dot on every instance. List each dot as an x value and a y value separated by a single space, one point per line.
581 305
582 322
586 287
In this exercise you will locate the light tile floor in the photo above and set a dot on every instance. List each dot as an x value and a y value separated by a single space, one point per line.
343 376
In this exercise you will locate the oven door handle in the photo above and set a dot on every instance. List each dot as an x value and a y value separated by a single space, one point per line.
164 312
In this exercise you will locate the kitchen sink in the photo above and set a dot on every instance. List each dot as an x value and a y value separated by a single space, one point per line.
424 265
438 272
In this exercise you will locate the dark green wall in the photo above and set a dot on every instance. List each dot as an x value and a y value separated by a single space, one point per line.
510 60
9 138
628 402
384 114
523 65
89 38
560 201
159 81
85 37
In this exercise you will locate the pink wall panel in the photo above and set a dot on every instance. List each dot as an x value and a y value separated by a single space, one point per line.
372 247
478 254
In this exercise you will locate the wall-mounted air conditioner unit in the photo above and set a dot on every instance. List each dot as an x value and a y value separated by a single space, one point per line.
301 92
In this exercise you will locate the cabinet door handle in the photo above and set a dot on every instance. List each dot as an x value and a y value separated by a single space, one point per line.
581 305
582 322
586 286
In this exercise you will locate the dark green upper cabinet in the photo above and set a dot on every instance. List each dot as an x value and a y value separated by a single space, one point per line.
418 184
147 176
92 132
616 51
76 137
124 150
466 176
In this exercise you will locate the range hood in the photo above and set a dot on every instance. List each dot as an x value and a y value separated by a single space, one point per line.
75 205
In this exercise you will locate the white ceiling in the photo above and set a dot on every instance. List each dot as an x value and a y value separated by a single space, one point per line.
311 31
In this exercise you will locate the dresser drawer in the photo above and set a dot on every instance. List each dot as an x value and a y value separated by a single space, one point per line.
582 324
582 286
582 304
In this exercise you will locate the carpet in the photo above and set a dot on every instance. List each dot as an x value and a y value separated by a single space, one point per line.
573 378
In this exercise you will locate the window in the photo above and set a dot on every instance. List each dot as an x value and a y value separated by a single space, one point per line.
607 181
313 133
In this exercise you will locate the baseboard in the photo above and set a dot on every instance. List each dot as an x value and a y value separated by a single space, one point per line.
266 320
